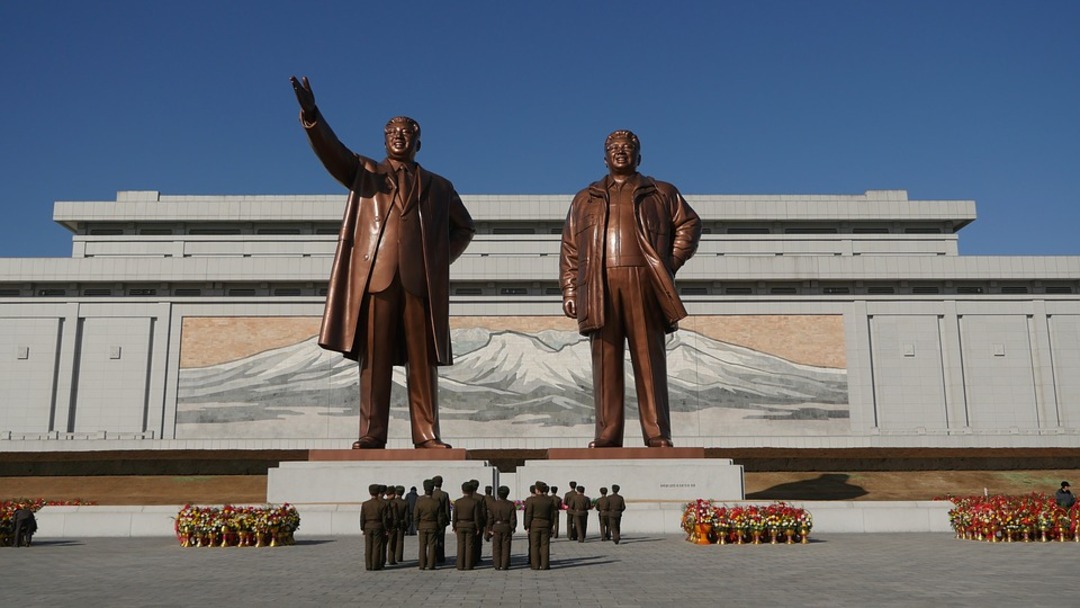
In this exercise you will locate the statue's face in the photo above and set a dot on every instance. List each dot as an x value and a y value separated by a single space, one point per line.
621 156
402 142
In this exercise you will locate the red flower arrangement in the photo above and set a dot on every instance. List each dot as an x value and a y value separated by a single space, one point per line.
1004 518
706 523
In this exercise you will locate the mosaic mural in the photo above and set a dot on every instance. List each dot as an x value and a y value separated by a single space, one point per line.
259 377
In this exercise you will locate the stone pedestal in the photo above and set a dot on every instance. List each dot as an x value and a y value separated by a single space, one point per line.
644 474
343 476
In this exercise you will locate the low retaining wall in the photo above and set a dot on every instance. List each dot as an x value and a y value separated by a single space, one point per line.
322 520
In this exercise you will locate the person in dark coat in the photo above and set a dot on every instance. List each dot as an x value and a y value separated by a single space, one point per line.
410 499
616 506
25 526
1064 496
578 508
375 519
395 536
602 514
539 512
558 509
570 533
467 522
444 505
502 522
429 518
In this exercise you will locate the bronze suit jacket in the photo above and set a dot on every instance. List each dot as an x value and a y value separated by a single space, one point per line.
446 225
668 231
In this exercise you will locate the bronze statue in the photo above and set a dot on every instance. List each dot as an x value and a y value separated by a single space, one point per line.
388 300
624 239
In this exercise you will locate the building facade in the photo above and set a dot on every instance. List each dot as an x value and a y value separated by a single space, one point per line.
816 321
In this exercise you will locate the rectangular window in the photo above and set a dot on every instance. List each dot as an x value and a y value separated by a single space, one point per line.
468 291
880 289
513 291
694 291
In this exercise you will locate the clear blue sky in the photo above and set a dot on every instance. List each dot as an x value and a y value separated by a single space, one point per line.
947 99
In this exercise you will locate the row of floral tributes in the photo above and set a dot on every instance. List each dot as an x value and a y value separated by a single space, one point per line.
1013 518
237 526
9 506
707 523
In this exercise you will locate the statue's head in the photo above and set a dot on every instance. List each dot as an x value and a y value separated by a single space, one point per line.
622 152
402 136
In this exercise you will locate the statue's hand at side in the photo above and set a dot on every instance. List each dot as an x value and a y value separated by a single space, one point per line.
304 95
570 308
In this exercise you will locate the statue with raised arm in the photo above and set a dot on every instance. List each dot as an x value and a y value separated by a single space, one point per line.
625 237
389 297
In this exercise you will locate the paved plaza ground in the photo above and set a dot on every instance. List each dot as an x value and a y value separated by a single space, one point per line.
835 570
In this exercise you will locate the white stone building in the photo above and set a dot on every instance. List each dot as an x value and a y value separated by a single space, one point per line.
816 321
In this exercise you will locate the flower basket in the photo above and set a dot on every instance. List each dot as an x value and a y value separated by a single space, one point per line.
777 523
1001 518
236 526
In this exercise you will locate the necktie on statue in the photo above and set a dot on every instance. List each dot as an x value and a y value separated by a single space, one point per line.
404 181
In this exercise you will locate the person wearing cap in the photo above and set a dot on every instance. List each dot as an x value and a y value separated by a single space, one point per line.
538 516
467 524
578 508
395 536
428 517
602 514
1064 496
616 506
375 519
444 504
558 509
478 545
502 522
570 531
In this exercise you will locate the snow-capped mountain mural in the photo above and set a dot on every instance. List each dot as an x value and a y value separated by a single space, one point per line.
540 380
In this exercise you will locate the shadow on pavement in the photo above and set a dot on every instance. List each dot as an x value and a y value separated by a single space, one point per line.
828 486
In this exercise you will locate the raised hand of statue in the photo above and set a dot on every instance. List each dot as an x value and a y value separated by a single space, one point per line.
304 95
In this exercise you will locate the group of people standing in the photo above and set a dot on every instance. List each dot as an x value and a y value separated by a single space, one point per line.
390 514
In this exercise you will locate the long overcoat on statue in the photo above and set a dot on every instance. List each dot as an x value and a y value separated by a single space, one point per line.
668 231
445 224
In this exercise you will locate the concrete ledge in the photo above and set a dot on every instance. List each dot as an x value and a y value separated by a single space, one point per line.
321 520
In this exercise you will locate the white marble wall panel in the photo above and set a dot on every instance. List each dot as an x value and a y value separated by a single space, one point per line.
28 352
